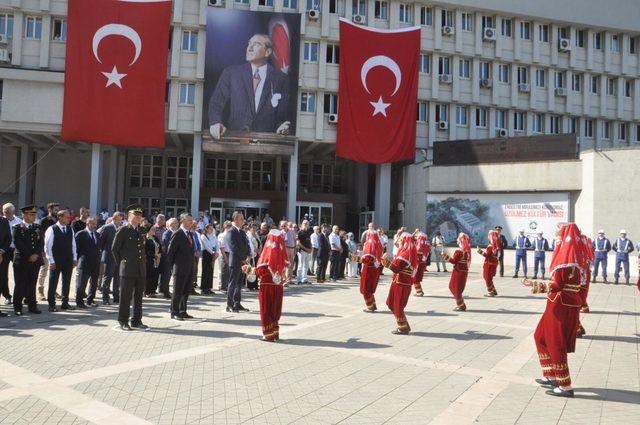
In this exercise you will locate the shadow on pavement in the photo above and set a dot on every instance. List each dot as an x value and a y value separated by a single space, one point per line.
465 336
629 339
604 394
353 343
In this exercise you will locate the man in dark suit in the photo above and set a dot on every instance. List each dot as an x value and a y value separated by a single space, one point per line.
172 226
238 250
60 247
107 235
503 243
129 254
324 249
256 94
27 259
87 245
5 253
180 256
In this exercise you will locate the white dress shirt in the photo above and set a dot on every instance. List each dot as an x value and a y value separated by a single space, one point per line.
16 220
335 240
222 241
48 242
262 72
314 240
209 243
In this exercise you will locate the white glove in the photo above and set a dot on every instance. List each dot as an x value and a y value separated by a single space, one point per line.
217 130
284 128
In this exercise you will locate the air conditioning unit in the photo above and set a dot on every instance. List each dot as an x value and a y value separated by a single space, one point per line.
5 56
524 88
561 91
447 30
445 78
333 118
443 125
564 45
489 34
216 3
3 39
313 14
501 132
359 19
486 83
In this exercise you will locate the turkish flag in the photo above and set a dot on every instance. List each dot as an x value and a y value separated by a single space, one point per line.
116 72
377 93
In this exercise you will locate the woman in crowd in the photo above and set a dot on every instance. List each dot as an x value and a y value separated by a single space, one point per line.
352 262
209 244
461 260
344 255
153 253
438 248
491 262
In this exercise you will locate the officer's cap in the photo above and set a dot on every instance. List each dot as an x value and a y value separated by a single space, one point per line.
135 208
498 227
29 209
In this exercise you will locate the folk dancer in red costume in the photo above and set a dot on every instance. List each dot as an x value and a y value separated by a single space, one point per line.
584 290
404 267
370 273
424 250
272 264
555 335
491 262
461 260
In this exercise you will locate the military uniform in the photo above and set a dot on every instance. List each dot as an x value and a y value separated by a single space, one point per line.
28 242
128 250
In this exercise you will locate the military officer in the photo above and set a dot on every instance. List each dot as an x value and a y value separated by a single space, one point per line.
601 246
521 243
128 250
540 246
27 260
622 246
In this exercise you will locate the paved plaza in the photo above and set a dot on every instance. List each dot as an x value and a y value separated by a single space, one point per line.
335 364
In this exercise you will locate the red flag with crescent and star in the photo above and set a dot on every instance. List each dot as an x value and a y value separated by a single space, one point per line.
378 92
116 72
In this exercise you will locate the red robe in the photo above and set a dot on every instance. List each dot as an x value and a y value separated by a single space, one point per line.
417 280
555 335
399 292
270 299
490 266
369 281
458 279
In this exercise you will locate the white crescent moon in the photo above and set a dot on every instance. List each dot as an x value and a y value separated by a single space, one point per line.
117 29
384 61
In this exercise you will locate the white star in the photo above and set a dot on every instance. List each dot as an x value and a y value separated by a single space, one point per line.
379 107
113 77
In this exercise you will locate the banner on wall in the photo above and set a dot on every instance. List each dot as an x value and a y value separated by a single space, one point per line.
477 213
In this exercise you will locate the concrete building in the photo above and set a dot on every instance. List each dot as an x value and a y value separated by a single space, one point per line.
488 68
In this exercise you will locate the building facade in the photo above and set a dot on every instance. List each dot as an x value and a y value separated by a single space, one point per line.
490 68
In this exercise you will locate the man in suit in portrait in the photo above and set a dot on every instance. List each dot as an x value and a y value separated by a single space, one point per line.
239 250
180 257
111 274
87 246
256 94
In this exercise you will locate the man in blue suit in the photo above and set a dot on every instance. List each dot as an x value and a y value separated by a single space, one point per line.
521 243
601 246
256 94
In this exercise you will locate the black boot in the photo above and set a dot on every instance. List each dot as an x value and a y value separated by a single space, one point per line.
535 275
594 279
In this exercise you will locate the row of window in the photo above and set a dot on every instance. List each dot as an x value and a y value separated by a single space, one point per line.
147 171
173 207
33 27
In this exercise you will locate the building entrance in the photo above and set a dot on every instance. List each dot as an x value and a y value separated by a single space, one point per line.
222 209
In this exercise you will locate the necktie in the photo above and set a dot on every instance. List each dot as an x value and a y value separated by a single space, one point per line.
93 236
256 81
64 230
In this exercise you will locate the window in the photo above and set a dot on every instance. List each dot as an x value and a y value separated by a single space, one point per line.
145 171
265 3
580 36
506 25
503 73
461 116
359 7
615 43
622 131
187 94
633 45
563 32
175 207
628 88
406 15
464 70
572 125
381 10
425 64
487 22
554 124
595 83
441 113
543 33
588 128
638 132
426 16
322 177
446 18
501 119
423 112
59 29
444 66
485 70
523 78
538 123
518 121
313 4
6 24
190 41
290 4
242 1
333 54
307 102
525 30
576 82
611 87
481 117
559 80
330 103
597 40
33 27
178 170
541 77
310 51
606 129
467 21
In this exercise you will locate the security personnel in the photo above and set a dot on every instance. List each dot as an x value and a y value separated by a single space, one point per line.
601 246
27 260
622 246
128 250
503 243
540 245
521 243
